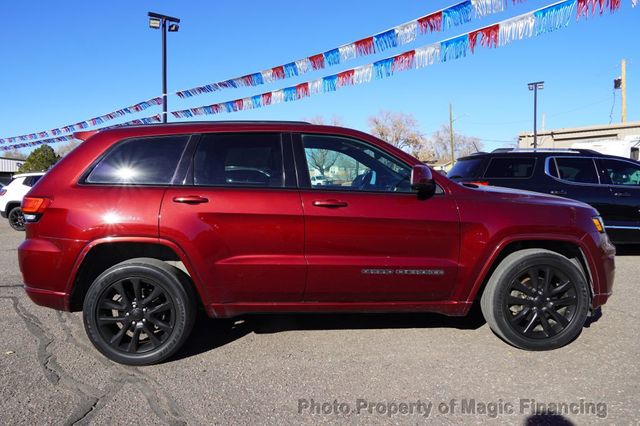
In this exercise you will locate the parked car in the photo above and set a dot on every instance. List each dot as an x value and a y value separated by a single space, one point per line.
608 183
11 197
139 226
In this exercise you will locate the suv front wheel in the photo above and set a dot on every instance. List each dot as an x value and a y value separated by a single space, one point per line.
140 311
536 300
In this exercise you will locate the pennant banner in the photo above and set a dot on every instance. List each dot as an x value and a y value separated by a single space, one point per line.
85 124
145 120
441 20
537 22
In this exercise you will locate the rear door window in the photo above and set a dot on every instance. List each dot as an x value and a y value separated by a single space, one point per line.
142 161
510 168
466 168
574 169
239 159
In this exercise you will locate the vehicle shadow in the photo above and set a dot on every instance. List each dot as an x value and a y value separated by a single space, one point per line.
211 333
547 418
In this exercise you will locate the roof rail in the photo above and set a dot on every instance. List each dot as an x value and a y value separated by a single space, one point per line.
570 150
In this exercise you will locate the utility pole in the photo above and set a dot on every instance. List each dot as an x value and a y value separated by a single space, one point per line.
453 158
623 89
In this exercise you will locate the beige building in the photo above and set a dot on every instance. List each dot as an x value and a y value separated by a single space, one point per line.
564 138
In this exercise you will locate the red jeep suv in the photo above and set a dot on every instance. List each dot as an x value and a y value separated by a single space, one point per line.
139 227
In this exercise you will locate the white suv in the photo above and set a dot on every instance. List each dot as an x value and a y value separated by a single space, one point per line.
11 198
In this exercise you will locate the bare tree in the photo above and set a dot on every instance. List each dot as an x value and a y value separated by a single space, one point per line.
439 145
67 148
318 119
15 154
322 159
398 129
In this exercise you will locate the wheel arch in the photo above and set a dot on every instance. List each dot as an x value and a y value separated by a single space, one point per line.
569 248
99 255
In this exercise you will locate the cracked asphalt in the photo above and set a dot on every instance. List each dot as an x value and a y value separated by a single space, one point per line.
319 368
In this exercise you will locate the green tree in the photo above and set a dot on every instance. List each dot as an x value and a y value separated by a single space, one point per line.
40 160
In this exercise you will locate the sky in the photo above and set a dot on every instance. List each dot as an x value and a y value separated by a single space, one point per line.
68 61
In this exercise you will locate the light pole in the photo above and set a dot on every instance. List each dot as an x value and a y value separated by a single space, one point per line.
159 21
535 86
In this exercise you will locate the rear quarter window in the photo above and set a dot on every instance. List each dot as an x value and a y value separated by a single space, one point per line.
144 161
510 168
466 168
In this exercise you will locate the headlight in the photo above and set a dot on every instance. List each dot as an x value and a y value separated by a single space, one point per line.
597 222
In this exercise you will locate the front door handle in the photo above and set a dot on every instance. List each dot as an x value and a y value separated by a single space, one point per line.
190 199
330 204
558 192
622 194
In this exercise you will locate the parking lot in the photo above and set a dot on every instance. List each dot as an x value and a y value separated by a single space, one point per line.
318 368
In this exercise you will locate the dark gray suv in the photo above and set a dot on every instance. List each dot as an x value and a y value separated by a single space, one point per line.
610 184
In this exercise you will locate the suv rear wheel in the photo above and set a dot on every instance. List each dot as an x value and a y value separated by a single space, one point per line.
536 300
16 219
140 311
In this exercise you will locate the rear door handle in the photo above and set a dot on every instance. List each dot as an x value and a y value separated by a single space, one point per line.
190 199
330 204
622 194
558 192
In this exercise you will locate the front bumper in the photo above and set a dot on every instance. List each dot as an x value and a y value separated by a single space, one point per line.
3 214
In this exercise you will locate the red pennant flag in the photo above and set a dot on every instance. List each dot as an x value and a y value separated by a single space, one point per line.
364 46
317 61
302 90
431 23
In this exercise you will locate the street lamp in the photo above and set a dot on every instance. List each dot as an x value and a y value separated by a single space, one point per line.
535 86
159 21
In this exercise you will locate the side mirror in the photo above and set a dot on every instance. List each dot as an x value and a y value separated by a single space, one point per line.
422 181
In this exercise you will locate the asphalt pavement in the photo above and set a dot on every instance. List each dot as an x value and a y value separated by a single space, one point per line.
356 369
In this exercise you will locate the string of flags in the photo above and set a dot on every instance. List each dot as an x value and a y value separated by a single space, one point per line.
449 17
141 106
146 120
535 23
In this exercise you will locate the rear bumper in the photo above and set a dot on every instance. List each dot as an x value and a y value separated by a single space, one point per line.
46 265
3 214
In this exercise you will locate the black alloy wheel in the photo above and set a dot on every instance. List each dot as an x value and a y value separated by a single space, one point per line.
135 315
16 219
537 299
140 311
541 302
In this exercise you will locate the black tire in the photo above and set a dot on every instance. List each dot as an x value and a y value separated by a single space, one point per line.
16 219
536 300
140 311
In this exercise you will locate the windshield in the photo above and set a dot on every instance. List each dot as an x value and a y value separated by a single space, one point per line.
466 168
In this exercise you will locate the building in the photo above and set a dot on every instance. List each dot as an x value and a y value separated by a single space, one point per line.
564 138
8 167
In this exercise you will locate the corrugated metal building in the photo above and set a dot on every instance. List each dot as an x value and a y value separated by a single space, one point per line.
564 138
8 167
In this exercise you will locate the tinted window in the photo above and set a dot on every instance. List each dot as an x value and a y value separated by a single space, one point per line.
346 164
467 168
577 169
31 180
251 159
512 167
140 161
621 172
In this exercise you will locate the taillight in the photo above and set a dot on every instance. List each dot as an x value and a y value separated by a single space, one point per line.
34 205
479 183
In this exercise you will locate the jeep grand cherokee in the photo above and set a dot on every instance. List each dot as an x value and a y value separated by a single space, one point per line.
139 227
